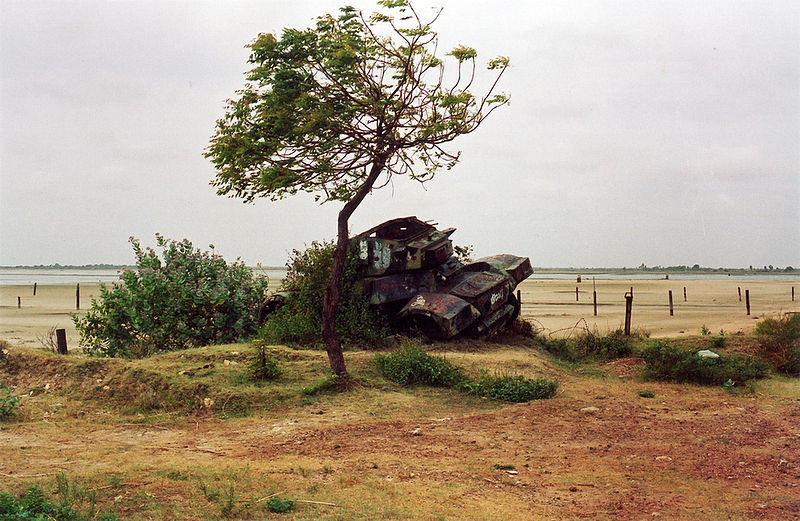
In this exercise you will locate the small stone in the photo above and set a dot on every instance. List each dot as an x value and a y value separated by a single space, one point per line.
416 432
208 403
513 472
106 388
590 409
573 489
663 458
226 362
707 353
234 353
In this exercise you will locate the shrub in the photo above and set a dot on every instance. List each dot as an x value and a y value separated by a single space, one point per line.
664 362
279 505
411 365
35 506
8 403
597 347
299 320
189 298
589 346
779 342
516 389
263 365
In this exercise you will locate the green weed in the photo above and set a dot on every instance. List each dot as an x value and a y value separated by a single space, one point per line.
779 342
664 362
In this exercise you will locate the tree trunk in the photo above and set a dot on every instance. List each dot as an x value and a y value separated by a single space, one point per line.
330 301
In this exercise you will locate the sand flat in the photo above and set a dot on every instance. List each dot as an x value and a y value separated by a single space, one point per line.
548 303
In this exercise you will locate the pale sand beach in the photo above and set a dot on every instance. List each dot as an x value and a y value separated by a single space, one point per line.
549 303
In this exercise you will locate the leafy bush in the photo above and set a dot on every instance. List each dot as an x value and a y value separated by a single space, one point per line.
299 320
510 388
189 298
34 506
779 342
263 365
411 365
8 403
664 362
279 505
589 346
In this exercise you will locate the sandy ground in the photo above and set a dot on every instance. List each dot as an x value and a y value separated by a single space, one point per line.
548 303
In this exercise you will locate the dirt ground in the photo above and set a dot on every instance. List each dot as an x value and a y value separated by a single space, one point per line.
596 451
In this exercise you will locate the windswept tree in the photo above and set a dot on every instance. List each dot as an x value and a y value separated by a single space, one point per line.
339 109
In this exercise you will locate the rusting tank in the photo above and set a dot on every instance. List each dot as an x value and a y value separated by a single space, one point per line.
411 275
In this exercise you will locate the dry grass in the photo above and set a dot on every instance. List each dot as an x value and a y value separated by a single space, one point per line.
154 448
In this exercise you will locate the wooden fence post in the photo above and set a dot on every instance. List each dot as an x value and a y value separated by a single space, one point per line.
34 289
19 302
628 306
594 296
747 299
671 313
684 293
78 296
792 293
739 289
576 294
61 341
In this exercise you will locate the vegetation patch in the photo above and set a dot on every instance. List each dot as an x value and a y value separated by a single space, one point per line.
589 346
263 365
779 342
189 298
411 365
509 388
299 320
73 503
665 362
8 403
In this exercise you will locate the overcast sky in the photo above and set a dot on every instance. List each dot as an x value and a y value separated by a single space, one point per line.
648 132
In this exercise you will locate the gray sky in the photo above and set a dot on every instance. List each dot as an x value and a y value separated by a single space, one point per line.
638 132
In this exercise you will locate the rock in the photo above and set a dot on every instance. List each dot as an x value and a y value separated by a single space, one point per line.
416 432
663 458
590 410
707 353
226 362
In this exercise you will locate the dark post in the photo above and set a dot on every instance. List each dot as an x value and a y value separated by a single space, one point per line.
684 293
671 313
19 302
78 296
747 299
576 293
578 280
594 295
628 306
740 293
631 292
792 293
519 299
34 289
61 341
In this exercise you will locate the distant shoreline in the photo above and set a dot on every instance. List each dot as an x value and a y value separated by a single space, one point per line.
544 270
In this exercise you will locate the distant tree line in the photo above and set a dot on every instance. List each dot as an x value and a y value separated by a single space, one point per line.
697 267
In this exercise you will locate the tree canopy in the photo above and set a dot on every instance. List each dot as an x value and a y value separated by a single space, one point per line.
337 110
324 104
